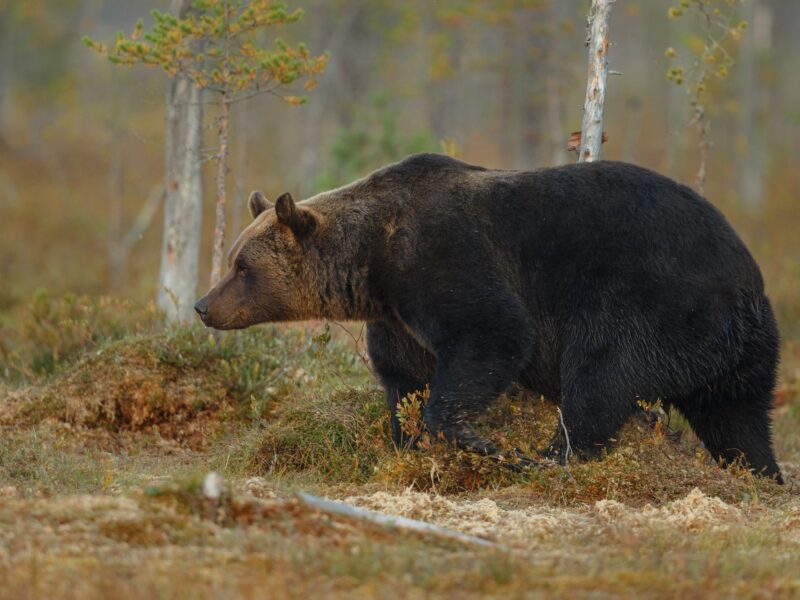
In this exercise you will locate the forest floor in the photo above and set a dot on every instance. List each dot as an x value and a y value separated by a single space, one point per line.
108 437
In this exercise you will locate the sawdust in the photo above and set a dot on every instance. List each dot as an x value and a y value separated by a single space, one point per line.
482 517
695 512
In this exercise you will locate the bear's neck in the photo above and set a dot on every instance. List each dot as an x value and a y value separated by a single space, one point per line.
342 274
348 296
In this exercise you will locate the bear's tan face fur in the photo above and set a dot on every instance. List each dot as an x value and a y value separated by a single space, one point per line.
269 278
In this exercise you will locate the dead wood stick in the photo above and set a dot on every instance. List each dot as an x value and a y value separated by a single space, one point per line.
394 522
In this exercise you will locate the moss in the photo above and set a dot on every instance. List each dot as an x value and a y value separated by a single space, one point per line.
340 438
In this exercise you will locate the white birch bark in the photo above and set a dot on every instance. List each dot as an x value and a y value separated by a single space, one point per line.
594 105
177 288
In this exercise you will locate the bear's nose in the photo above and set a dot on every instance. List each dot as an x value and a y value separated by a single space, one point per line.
201 309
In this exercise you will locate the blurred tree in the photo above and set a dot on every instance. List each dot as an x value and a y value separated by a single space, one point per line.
561 24
352 33
183 185
709 59
467 39
374 140
750 146
212 46
38 32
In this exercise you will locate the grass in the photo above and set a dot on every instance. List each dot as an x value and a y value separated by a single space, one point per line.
102 454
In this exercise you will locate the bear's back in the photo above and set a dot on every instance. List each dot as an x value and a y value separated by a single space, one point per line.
603 215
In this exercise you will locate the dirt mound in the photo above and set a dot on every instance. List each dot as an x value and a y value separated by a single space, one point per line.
126 387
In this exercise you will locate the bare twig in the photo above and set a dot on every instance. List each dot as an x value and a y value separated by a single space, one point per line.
357 342
121 246
568 449
143 219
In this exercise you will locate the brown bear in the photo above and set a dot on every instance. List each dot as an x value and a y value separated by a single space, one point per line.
596 284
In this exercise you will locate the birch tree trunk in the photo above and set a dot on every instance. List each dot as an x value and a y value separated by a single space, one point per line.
594 105
180 249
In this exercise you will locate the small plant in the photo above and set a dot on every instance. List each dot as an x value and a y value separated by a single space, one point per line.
409 413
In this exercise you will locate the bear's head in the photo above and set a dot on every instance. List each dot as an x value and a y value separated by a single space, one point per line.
269 274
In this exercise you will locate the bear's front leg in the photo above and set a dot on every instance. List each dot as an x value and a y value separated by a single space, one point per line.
470 375
401 365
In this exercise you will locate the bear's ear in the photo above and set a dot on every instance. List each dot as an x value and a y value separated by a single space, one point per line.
302 221
258 203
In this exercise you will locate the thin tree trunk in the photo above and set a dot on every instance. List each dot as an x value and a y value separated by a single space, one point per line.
555 121
222 172
116 192
752 148
556 145
124 242
180 248
240 170
676 127
704 133
594 106
5 76
633 114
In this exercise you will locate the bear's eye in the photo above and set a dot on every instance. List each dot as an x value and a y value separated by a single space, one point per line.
241 270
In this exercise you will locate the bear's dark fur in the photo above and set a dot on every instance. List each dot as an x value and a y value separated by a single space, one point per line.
596 284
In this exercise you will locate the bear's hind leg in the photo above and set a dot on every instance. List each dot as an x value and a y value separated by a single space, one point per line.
731 415
733 428
594 407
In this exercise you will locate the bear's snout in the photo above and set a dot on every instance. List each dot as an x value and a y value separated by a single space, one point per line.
201 308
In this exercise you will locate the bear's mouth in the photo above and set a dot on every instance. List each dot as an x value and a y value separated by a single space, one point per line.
234 322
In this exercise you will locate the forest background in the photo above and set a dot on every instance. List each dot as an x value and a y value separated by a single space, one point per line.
112 419
82 143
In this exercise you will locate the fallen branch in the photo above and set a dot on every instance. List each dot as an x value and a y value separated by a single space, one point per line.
121 246
394 522
143 219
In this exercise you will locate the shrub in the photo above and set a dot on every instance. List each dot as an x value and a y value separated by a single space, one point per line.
55 331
